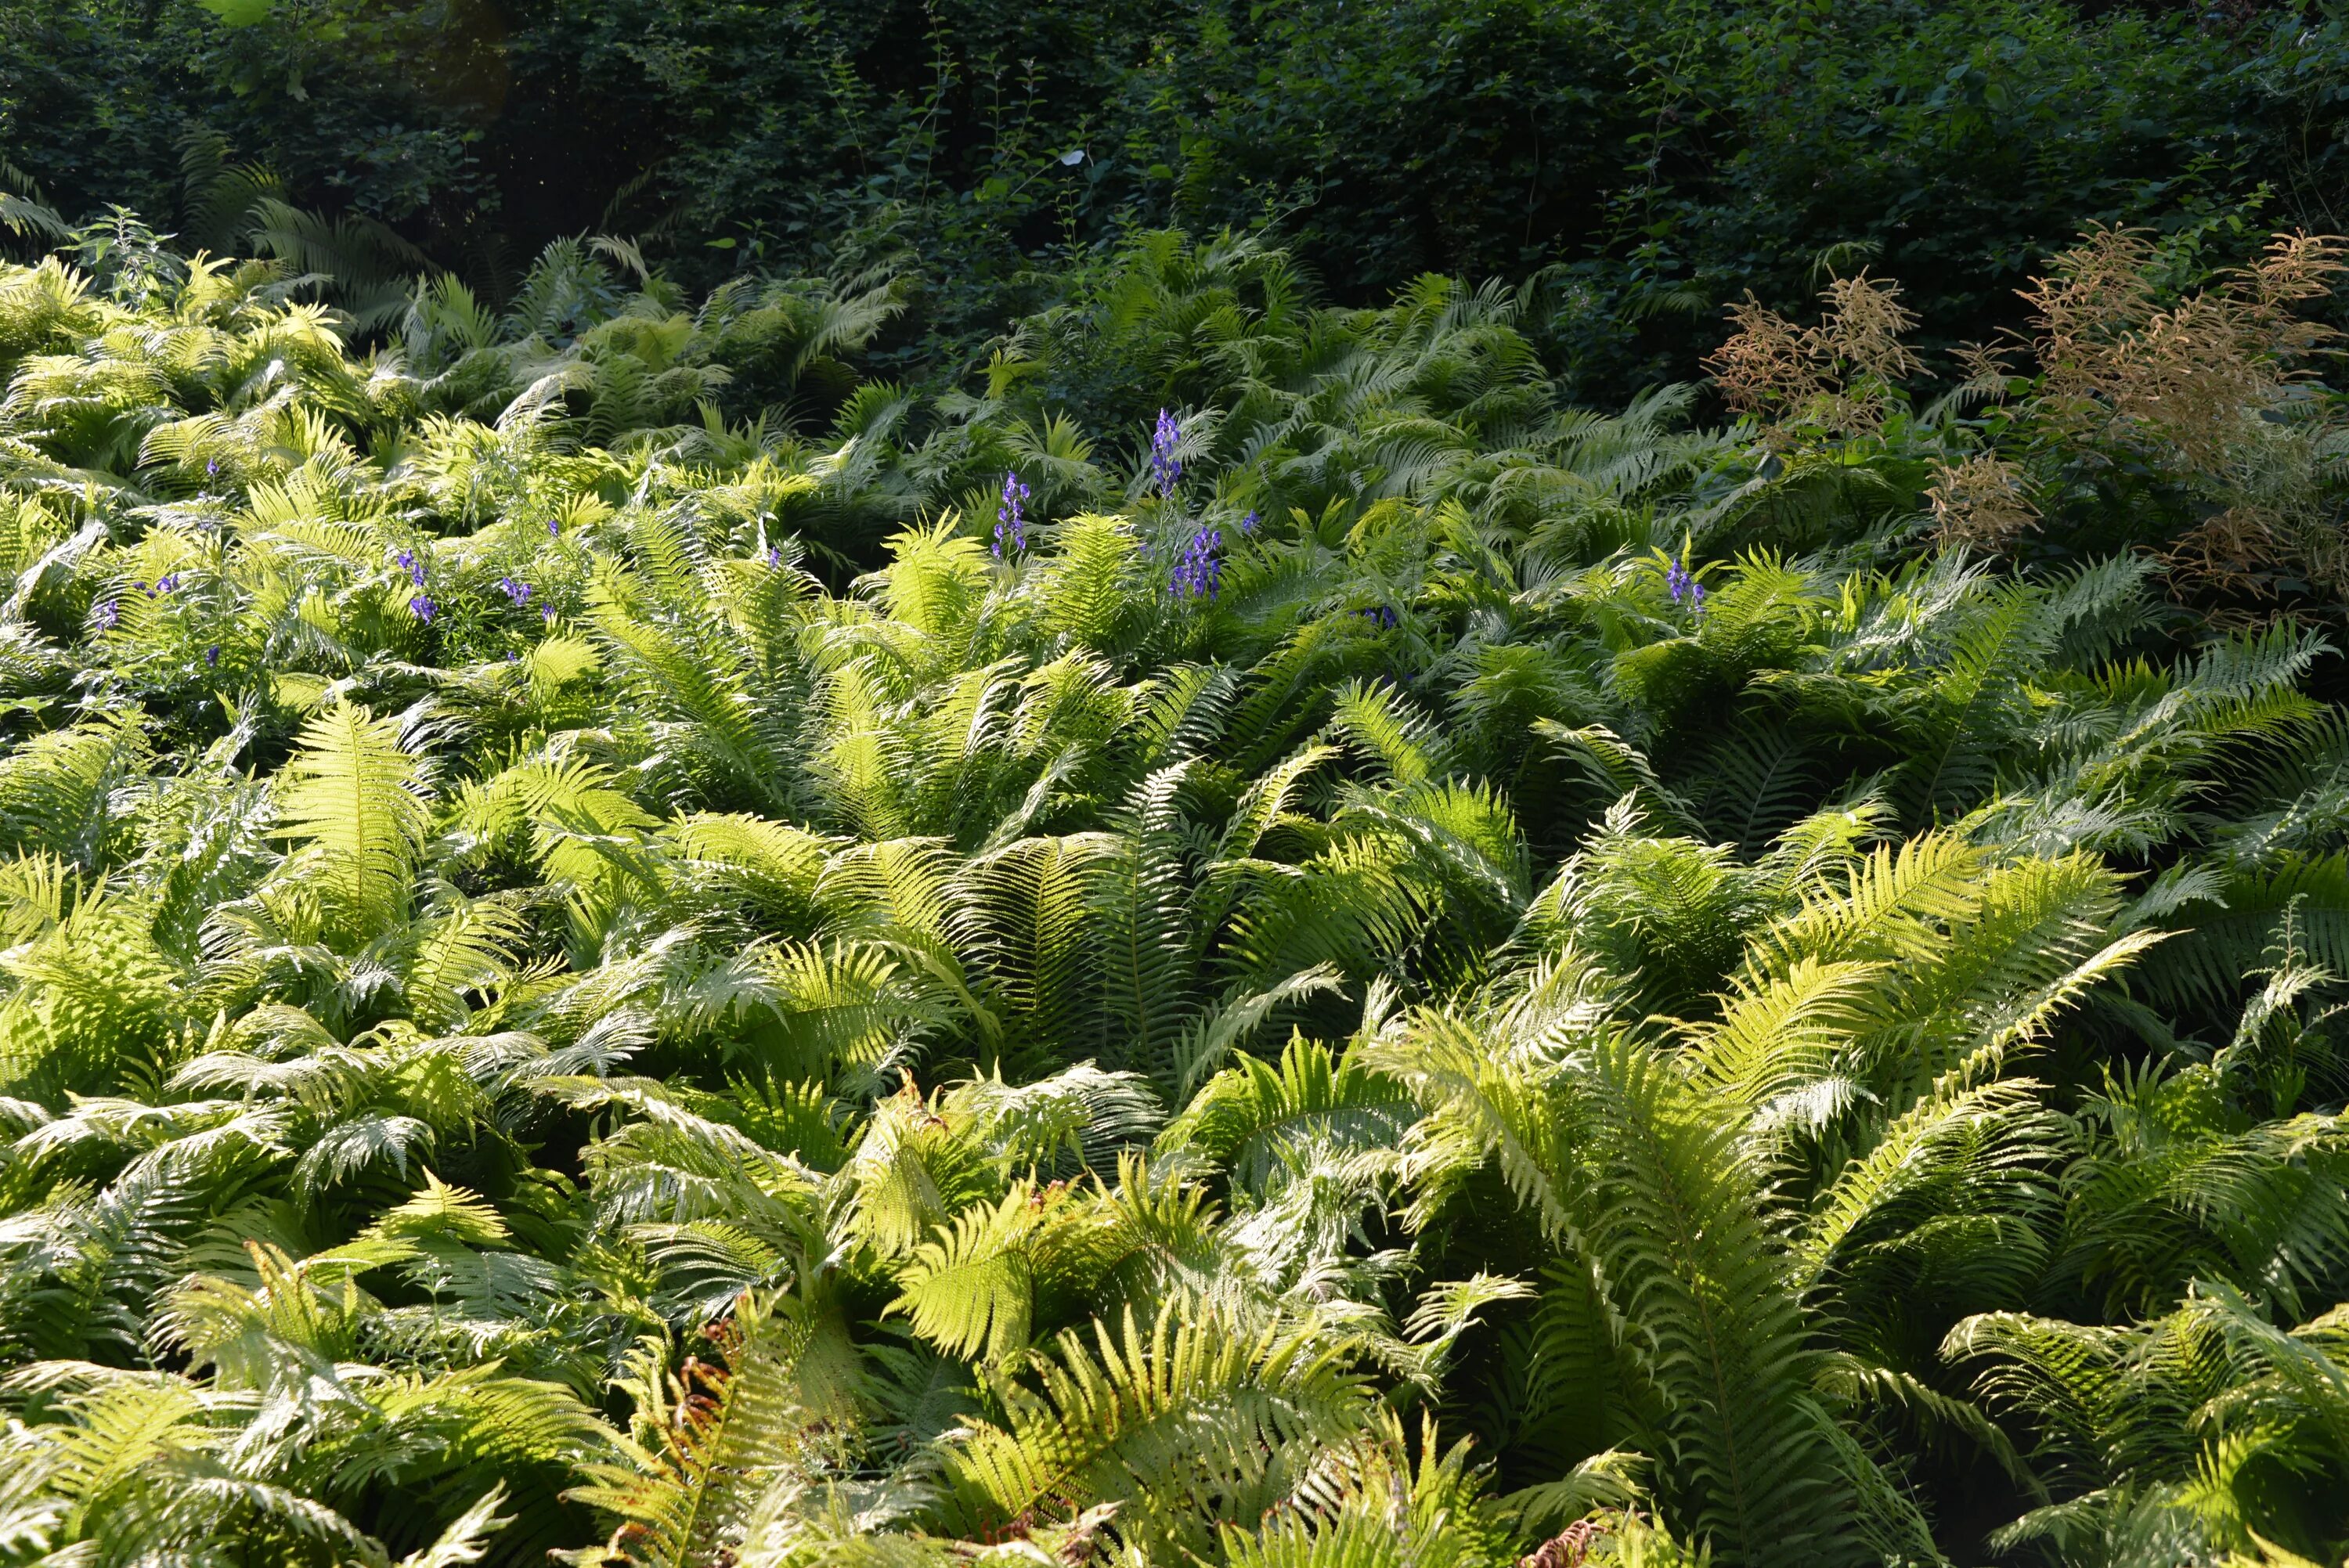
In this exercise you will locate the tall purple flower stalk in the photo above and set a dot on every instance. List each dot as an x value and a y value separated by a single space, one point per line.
1199 572
1010 520
1164 463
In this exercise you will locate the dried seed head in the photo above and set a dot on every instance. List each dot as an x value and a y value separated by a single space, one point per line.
2194 376
1766 365
1836 373
1986 367
1984 500
1863 328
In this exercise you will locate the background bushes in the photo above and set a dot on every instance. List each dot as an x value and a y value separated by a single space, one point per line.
1646 162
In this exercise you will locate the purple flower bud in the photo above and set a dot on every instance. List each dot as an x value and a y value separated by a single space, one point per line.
553 528
1249 523
108 615
212 656
423 608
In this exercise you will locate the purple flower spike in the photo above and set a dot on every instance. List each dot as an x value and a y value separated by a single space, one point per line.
1199 572
1164 463
1248 525
212 656
423 608
1010 523
108 615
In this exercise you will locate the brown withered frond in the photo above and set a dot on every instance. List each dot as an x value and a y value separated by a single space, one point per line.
1568 1549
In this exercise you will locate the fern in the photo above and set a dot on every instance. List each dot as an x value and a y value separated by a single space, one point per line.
352 794
1172 1421
577 949
723 1432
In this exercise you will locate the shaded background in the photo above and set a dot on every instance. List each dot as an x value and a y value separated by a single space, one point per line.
1645 160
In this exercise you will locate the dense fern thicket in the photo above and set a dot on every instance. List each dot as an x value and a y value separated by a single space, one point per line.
1245 941
1651 158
